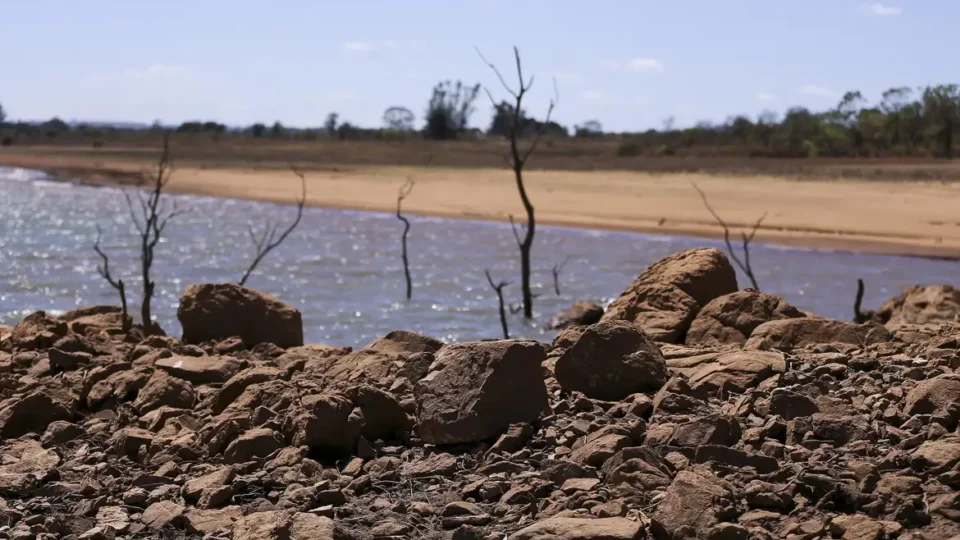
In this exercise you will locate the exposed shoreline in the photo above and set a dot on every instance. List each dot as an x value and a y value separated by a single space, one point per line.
914 219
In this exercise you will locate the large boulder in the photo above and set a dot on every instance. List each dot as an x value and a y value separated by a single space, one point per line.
201 369
323 423
667 296
788 334
937 394
921 305
737 372
696 499
214 312
93 319
31 414
731 318
611 360
476 390
577 528
164 390
397 354
37 331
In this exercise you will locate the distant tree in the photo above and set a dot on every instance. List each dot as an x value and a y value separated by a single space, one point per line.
449 109
502 121
330 124
157 125
257 130
213 127
3 115
277 130
398 118
669 123
941 111
54 127
590 128
741 129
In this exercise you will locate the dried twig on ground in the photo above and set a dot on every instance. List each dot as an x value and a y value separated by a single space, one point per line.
404 192
744 264
498 287
268 240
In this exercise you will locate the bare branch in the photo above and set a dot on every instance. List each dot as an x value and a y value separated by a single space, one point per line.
744 264
546 122
402 194
499 76
269 240
498 287
516 235
557 268
104 271
859 316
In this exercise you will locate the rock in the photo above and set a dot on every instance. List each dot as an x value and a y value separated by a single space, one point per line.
695 499
600 446
31 414
789 334
921 305
162 390
398 354
36 331
195 488
60 432
382 414
235 386
255 443
435 465
939 454
513 440
321 423
937 394
714 429
271 525
93 319
214 312
68 361
162 514
474 391
212 521
790 405
307 526
667 296
735 458
731 319
200 369
638 466
579 314
571 528
128 441
25 464
611 360
737 372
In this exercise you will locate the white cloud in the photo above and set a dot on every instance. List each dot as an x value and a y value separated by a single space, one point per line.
816 91
645 65
885 10
155 72
594 96
767 97
367 46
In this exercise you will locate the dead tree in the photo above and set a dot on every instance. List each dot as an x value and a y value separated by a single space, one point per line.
517 159
744 264
150 219
498 287
859 316
557 268
404 192
104 271
267 240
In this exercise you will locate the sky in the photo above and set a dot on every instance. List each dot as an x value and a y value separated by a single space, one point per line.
626 63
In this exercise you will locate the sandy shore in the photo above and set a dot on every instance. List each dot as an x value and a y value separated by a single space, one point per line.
905 218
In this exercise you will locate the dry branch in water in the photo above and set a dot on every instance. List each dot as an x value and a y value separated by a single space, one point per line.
104 271
268 240
498 287
747 238
858 315
557 268
404 192
517 159
150 221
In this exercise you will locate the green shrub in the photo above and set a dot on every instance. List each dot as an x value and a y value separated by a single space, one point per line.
666 150
6 141
97 144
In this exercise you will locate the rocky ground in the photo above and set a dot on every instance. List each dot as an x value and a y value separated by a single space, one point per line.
690 410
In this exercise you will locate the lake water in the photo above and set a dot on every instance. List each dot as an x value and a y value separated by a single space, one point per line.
342 269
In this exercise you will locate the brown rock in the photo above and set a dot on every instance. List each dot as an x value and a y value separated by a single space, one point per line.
579 314
921 305
788 334
383 415
571 528
162 514
214 312
271 525
600 446
731 318
436 465
611 360
211 521
475 391
194 488
239 382
322 424
200 369
32 414
399 353
714 429
696 499
255 443
129 440
939 454
667 295
37 331
638 466
307 526
25 464
162 390
932 395
737 372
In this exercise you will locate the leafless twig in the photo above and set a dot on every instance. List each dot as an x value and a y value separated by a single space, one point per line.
557 268
404 192
498 287
104 271
744 264
858 315
267 240
517 160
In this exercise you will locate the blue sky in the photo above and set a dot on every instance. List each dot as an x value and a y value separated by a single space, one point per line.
628 64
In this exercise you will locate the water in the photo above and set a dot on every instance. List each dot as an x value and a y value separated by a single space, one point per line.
342 269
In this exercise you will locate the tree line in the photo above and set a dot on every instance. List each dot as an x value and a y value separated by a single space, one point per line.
906 121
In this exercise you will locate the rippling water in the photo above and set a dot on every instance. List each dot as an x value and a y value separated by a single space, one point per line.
342 269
